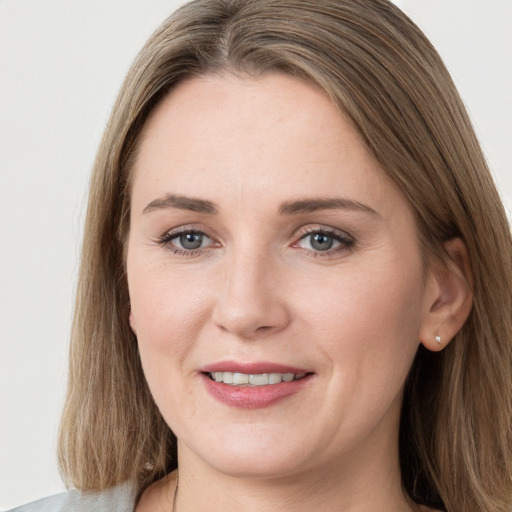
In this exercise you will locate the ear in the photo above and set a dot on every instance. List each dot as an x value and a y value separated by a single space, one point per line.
132 323
449 297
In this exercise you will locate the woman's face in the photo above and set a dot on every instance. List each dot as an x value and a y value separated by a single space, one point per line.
266 244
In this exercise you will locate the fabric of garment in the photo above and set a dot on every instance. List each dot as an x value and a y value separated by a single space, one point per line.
116 499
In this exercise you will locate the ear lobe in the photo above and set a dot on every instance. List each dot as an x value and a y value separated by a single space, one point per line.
451 298
132 323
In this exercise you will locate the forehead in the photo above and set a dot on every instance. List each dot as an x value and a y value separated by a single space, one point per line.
230 137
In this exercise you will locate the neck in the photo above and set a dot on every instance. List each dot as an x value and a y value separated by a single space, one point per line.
356 486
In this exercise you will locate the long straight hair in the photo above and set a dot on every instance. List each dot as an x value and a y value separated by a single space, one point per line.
381 72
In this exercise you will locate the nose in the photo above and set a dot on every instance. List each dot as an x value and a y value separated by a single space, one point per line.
251 305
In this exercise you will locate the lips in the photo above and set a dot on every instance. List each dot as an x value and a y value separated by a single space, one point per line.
253 385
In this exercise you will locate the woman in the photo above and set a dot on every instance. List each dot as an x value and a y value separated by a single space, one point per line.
295 280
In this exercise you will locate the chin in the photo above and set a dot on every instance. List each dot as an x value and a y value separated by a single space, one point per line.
254 455
269 469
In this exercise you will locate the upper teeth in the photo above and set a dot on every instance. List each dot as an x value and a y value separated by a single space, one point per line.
261 379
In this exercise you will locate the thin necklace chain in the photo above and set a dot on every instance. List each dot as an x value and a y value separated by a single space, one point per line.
175 495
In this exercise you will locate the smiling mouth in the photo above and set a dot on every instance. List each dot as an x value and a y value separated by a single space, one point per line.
253 380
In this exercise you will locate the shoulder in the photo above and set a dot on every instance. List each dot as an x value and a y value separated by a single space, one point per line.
116 499
53 503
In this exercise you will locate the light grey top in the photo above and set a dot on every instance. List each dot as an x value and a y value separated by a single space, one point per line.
117 499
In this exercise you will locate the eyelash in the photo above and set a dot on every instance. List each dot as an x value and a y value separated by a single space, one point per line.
345 240
166 241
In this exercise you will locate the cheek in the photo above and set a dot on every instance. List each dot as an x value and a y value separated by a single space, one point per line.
367 322
168 313
366 326
165 304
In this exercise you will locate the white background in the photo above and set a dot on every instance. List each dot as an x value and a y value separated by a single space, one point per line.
61 64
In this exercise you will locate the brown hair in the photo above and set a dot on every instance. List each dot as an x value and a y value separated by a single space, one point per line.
382 72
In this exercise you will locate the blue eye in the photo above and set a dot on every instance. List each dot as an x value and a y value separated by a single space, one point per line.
190 241
186 241
320 241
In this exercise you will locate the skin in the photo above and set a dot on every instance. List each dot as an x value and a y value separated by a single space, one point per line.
258 289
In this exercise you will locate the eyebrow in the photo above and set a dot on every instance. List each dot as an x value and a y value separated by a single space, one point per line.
183 203
287 208
329 203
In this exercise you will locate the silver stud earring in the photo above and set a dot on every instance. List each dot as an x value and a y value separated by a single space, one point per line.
438 339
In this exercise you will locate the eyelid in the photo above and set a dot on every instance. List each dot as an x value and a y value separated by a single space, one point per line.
320 228
166 238
346 240
187 228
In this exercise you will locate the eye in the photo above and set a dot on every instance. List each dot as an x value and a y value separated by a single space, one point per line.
190 241
324 241
319 241
186 241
